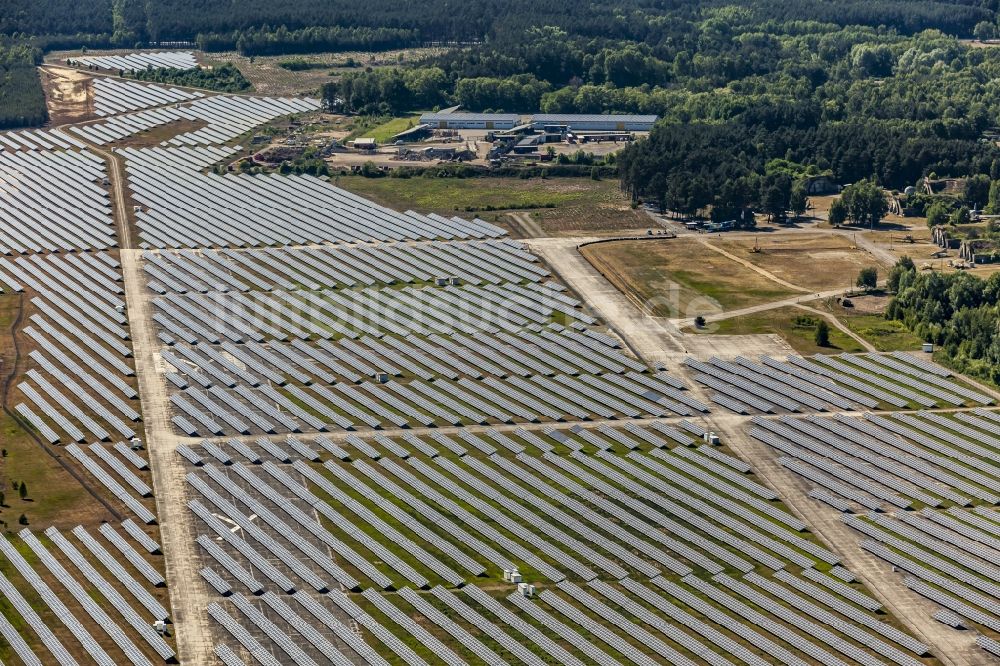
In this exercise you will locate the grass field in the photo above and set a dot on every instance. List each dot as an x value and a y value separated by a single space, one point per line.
790 324
383 132
885 335
558 204
672 278
795 258
54 497
270 78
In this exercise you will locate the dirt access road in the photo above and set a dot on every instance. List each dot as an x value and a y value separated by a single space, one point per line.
654 339
188 597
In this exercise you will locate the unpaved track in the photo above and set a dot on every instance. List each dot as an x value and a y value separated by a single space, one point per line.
529 225
188 597
955 648
840 326
751 266
656 340
645 335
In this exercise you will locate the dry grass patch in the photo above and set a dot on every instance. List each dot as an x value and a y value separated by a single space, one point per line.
814 262
796 326
676 277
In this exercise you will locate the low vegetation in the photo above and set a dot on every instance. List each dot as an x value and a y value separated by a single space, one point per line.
449 196
681 279
224 78
381 128
800 331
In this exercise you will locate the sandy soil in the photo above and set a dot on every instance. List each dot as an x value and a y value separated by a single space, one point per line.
794 258
68 94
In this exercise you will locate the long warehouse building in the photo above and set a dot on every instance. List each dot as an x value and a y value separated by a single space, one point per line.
488 121
594 122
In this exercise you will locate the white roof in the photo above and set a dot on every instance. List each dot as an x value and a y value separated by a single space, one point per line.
469 117
590 118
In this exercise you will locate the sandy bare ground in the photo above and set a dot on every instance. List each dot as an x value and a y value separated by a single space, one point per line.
68 94
188 596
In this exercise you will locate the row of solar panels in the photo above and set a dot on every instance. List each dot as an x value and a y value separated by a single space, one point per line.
227 117
230 116
265 409
135 641
113 96
123 494
50 201
875 461
823 383
131 62
523 355
476 263
938 569
754 528
860 627
38 140
448 311
76 387
186 208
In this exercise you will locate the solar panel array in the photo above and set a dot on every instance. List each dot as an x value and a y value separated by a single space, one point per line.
287 307
132 62
183 207
225 117
920 488
97 608
52 200
79 383
828 383
306 340
674 554
113 96
37 139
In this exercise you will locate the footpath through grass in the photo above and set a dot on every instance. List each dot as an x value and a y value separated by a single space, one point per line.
681 278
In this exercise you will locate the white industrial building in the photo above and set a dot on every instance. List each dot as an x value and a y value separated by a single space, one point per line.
460 121
594 122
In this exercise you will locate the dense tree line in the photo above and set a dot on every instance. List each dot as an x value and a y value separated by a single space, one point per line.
22 101
956 311
55 17
268 41
652 22
906 16
688 167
